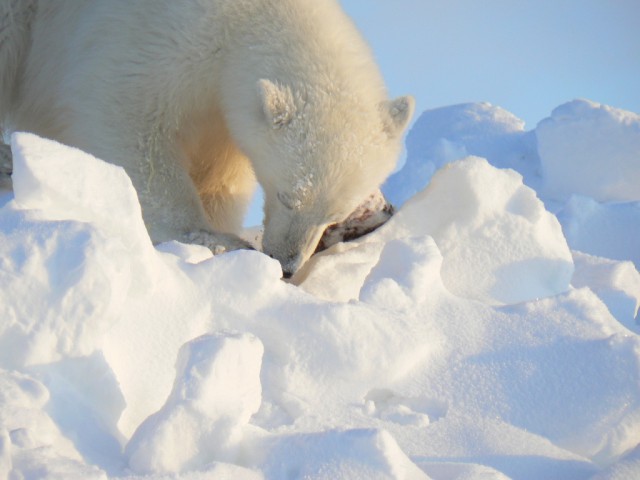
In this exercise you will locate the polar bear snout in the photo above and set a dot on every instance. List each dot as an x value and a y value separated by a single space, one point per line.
288 271
292 246
290 265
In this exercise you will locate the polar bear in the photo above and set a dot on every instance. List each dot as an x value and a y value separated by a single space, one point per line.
198 99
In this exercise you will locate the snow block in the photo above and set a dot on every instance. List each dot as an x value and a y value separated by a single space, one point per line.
65 183
499 244
590 149
352 454
217 390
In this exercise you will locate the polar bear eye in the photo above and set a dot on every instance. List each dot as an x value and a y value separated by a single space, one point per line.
287 200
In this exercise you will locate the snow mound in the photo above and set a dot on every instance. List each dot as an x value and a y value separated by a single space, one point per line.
455 342
43 180
592 150
499 243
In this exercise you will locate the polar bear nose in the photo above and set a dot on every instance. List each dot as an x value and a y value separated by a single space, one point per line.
287 273
291 265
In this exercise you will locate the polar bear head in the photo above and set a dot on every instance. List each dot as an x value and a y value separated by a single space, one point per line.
322 154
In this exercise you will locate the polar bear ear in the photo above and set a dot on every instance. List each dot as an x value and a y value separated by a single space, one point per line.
278 104
397 114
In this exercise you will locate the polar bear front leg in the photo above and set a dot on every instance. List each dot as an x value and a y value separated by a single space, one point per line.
6 160
172 209
217 242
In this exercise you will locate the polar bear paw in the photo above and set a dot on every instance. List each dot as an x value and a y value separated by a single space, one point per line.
217 242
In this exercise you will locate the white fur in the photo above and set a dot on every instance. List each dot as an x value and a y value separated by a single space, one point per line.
15 21
196 99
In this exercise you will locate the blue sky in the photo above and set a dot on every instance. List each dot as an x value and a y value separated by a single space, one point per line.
524 55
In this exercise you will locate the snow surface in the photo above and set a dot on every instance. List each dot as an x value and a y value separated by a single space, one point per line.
489 330
608 167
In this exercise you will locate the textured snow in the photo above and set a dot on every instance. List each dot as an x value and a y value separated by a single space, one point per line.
216 391
500 245
486 331
605 140
607 230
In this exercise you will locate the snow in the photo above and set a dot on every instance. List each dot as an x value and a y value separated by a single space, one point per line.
489 330
216 391
607 142
502 247
617 284
608 230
